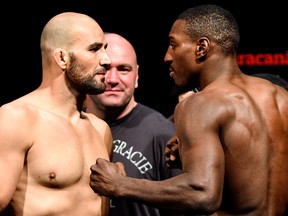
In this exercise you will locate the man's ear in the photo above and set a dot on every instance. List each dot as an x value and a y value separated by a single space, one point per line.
203 45
61 57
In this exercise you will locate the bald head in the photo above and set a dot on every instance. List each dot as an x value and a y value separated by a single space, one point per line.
119 47
67 29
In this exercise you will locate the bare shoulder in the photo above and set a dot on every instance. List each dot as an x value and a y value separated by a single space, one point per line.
205 103
220 102
16 122
16 112
282 96
103 129
268 94
96 122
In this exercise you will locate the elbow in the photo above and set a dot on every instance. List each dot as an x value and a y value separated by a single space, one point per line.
209 205
203 204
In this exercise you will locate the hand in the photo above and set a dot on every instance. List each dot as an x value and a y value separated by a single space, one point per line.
172 156
106 176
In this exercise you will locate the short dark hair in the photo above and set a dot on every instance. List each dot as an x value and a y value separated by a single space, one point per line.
215 23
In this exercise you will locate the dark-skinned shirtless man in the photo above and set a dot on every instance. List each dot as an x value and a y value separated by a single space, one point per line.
231 137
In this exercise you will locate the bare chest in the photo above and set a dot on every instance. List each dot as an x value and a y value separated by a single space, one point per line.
62 154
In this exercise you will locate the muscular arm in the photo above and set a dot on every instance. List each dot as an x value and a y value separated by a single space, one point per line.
13 146
198 189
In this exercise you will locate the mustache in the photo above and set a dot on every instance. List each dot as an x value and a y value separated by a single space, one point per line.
101 70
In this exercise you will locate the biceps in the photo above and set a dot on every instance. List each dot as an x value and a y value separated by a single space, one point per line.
11 167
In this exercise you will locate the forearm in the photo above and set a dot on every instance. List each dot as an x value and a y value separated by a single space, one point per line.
160 194
183 193
174 194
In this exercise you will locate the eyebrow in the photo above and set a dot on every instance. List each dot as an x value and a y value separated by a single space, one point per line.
96 45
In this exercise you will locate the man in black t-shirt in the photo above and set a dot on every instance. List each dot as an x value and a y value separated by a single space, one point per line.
140 133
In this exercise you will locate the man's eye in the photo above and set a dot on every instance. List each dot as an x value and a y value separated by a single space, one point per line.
172 46
94 49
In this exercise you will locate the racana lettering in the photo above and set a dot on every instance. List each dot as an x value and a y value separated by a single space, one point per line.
263 59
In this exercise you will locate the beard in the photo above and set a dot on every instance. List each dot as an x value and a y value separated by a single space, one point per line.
78 78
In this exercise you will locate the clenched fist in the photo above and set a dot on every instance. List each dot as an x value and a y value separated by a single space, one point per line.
106 176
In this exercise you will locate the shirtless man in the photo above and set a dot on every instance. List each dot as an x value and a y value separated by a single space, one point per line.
232 136
47 144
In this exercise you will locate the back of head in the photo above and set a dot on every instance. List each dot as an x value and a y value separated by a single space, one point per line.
215 23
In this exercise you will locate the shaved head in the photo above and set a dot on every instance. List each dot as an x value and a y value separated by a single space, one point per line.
63 31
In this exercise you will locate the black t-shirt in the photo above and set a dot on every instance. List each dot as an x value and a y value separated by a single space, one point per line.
139 141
